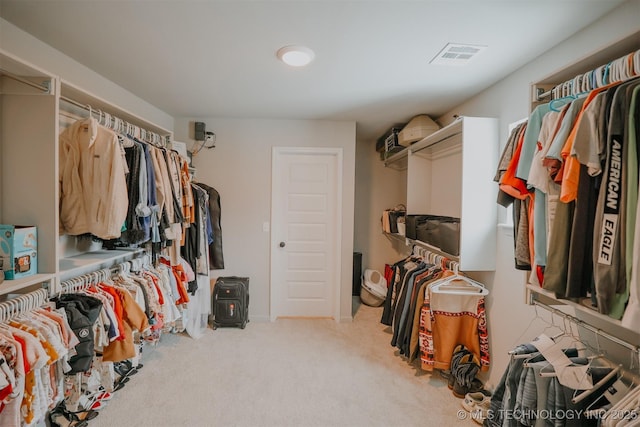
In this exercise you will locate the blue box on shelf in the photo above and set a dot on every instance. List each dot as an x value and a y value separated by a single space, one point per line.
18 251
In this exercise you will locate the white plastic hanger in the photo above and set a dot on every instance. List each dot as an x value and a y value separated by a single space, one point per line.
580 397
458 285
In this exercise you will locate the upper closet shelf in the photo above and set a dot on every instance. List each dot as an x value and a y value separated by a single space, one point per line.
606 55
439 142
92 261
75 95
16 285
605 323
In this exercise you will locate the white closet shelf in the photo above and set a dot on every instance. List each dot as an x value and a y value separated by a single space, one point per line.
615 50
92 261
410 242
450 173
11 286
70 91
398 160
441 141
570 303
601 321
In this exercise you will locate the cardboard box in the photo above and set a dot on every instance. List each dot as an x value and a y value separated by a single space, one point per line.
18 251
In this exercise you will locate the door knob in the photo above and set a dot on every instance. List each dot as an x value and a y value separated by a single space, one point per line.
282 244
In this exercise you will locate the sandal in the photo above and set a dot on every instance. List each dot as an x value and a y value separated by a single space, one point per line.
120 382
124 369
84 416
119 385
90 403
61 417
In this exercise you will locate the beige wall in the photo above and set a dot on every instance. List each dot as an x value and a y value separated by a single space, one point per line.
377 188
22 45
510 320
239 168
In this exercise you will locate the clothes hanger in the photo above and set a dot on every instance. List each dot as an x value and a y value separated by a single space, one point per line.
565 100
576 85
30 303
4 307
586 82
12 308
550 325
519 339
459 285
571 372
580 397
623 406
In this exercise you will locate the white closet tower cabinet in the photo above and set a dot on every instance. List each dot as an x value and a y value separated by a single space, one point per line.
450 172
28 166
35 106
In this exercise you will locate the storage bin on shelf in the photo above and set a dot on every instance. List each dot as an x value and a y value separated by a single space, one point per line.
388 143
374 288
18 251
442 232
418 128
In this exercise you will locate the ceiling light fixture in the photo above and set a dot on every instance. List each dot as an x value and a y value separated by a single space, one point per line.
295 56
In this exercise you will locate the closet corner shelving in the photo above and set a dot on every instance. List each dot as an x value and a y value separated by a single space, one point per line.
28 166
450 172
411 242
30 123
535 293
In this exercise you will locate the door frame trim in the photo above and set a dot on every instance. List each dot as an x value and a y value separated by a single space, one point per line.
337 259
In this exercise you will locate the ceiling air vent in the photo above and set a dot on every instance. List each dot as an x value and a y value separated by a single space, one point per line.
457 54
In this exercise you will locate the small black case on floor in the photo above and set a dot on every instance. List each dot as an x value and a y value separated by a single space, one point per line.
230 302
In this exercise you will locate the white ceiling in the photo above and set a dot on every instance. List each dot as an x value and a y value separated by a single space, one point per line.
198 59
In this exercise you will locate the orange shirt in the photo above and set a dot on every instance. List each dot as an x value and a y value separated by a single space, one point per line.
509 183
570 174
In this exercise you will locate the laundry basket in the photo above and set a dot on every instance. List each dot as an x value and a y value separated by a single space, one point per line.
374 288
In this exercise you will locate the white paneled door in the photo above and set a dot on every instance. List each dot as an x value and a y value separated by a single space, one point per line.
305 234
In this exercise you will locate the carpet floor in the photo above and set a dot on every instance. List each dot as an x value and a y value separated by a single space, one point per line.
291 372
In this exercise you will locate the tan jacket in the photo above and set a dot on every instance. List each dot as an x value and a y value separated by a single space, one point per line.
93 189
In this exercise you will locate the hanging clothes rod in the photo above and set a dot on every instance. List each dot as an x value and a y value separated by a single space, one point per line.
148 136
435 256
582 324
85 280
46 87
22 304
622 69
542 95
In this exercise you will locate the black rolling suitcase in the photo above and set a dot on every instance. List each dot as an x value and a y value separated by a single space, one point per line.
230 302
